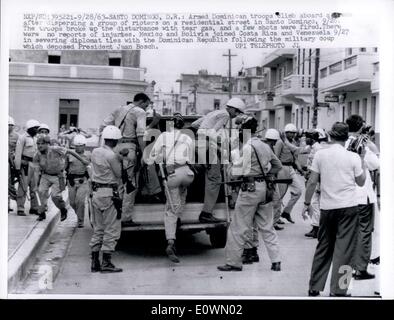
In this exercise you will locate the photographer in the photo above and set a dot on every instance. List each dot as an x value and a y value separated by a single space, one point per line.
365 195
339 172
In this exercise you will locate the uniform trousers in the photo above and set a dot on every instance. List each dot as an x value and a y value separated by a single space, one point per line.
248 207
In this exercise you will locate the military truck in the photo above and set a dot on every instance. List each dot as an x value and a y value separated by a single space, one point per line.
149 208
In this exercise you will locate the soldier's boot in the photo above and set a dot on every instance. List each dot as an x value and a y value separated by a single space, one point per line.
107 266
95 266
254 256
170 251
42 216
247 256
63 214
312 233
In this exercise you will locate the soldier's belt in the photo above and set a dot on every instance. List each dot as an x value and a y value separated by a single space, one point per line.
26 158
257 178
52 174
96 185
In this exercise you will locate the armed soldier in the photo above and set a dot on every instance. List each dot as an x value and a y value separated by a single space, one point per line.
287 152
131 121
49 162
174 150
209 129
106 203
77 176
259 164
25 150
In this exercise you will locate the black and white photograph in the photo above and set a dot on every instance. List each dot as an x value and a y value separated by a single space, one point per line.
195 171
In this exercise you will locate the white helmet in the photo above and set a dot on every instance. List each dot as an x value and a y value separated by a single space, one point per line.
111 132
79 140
44 126
291 128
32 123
236 103
11 121
321 132
272 134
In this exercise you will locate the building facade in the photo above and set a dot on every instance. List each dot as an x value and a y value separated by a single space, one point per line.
72 88
348 84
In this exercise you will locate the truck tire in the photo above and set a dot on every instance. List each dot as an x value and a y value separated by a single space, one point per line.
218 237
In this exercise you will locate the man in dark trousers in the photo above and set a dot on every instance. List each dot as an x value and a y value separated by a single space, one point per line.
339 172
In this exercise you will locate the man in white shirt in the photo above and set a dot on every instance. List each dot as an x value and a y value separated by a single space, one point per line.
366 199
339 172
174 150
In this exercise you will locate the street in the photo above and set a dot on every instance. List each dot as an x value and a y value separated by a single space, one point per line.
147 270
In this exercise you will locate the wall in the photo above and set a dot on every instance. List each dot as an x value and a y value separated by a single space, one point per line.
93 57
40 100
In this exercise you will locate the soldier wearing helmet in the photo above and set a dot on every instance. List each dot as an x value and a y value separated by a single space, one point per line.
287 153
214 129
106 203
49 163
43 129
131 121
252 206
25 149
77 177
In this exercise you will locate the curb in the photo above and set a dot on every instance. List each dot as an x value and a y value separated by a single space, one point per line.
23 257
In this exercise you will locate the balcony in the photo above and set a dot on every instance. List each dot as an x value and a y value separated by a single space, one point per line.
297 85
351 74
277 57
67 72
279 98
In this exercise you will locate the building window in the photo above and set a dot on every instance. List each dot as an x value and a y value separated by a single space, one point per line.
357 107
373 111
259 71
350 62
363 49
349 108
349 51
323 73
114 61
375 49
308 115
336 67
216 104
376 67
260 85
302 118
343 113
296 120
249 87
364 112
54 59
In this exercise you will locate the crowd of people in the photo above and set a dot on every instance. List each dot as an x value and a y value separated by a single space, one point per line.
340 195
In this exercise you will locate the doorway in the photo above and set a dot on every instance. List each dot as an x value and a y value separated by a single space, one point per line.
68 113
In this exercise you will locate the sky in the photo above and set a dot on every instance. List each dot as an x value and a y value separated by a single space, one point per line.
166 66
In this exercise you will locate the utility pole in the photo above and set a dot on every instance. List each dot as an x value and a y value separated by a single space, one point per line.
230 84
316 89
195 86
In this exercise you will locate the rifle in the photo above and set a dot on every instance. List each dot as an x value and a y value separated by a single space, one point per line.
166 189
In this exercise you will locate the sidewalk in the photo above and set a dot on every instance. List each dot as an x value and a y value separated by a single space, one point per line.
26 236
